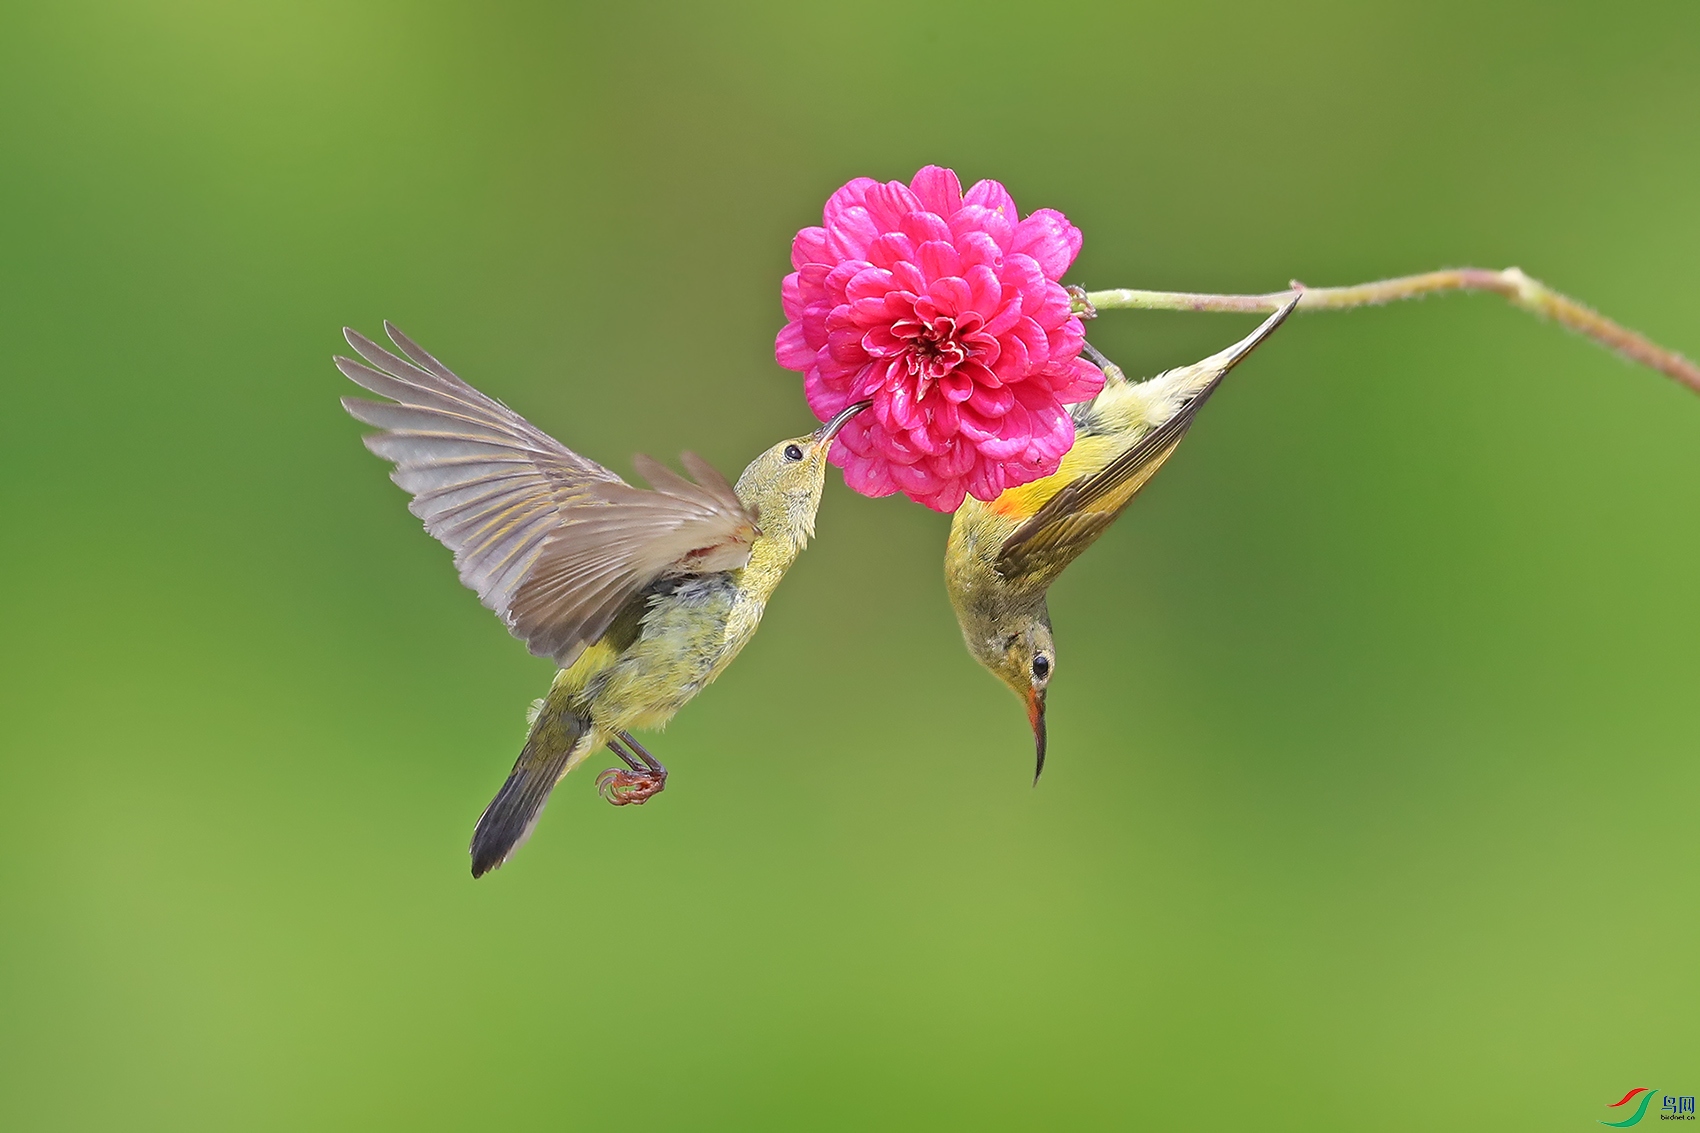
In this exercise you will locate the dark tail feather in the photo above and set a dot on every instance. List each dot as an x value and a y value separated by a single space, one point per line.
508 821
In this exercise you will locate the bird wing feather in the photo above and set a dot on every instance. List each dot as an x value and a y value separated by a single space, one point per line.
1070 521
1073 519
553 542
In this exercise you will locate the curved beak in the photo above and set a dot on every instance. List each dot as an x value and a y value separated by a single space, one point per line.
826 432
1036 717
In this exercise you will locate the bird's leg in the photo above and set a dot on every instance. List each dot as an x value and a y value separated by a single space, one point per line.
1111 370
626 757
646 778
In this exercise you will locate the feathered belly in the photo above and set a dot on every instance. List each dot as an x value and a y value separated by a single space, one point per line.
688 636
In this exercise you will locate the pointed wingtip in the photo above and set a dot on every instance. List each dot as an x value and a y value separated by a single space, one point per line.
1266 328
1224 360
405 344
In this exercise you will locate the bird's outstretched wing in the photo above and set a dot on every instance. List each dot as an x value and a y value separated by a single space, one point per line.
1070 521
554 543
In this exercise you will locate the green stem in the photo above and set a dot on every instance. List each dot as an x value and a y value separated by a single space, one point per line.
1522 291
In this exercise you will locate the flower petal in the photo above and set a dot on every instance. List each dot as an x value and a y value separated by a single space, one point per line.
895 447
955 386
1053 308
950 295
790 350
1066 339
1019 470
1007 316
833 373
887 249
1015 430
824 401
922 438
1051 429
1048 237
866 475
1013 362
948 497
991 195
978 248
850 232
977 373
986 481
992 224
938 189
839 278
845 344
1022 273
808 247
937 258
973 426
985 293
901 409
854 437
990 403
851 194
791 297
880 342
1033 337
889 203
811 281
1085 383
814 324
955 462
869 283
947 422
908 277
923 226
912 479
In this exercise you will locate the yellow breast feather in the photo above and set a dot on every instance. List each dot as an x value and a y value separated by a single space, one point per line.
1089 455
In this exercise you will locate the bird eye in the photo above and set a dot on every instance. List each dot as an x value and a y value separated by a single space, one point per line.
1041 666
792 452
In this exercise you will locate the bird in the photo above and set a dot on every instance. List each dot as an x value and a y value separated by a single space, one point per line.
640 597
1002 556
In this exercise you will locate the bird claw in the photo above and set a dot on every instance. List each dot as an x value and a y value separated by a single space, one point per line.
626 788
1079 304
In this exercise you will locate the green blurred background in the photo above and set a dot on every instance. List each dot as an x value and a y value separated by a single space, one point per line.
1373 789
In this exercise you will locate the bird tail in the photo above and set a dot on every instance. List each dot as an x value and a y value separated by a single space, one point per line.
509 819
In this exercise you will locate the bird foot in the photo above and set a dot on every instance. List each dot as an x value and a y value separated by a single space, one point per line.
1079 303
625 788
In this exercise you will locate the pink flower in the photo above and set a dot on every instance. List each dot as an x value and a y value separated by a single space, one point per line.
944 308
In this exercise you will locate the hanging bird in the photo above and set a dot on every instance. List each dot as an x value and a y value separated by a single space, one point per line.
641 597
1003 556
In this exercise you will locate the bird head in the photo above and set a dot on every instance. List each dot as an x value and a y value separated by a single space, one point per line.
1018 648
783 484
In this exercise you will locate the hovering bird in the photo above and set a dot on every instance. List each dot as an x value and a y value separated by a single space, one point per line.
641 597
1003 556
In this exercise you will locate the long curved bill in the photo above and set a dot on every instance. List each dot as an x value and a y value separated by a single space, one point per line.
829 430
1036 717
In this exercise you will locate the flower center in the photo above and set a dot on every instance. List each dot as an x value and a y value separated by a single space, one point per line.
932 349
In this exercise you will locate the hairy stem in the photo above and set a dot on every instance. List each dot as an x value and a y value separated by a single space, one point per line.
1522 291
